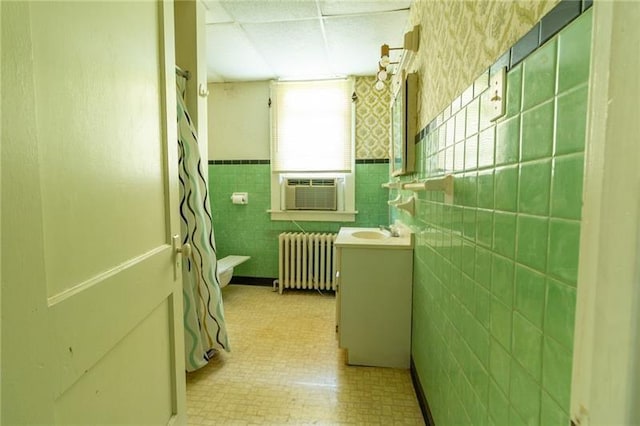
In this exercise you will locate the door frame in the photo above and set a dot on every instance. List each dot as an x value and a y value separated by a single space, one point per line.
606 366
0 213
170 138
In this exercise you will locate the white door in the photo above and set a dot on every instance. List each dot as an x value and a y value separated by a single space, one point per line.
91 301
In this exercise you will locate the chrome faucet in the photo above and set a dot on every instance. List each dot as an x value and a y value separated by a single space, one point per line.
392 230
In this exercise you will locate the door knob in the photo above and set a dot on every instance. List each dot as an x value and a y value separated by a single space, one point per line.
178 250
185 250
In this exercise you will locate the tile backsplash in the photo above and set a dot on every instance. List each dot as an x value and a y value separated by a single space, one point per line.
495 272
248 229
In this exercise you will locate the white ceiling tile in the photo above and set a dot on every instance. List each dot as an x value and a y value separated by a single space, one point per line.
278 39
245 11
293 49
232 57
216 13
354 41
342 7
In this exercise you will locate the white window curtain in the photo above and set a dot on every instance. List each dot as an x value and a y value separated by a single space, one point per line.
311 126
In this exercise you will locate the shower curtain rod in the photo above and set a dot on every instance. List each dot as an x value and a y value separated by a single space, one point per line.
185 74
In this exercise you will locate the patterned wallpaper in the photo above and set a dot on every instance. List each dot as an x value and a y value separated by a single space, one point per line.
461 39
372 120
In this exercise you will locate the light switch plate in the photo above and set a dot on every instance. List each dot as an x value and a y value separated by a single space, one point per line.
497 93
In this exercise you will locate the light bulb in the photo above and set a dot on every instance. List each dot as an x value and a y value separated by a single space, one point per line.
379 85
382 75
384 61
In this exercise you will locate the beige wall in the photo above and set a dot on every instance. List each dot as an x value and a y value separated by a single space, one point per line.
239 121
461 39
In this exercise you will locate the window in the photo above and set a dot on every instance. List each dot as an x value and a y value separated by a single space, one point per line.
312 137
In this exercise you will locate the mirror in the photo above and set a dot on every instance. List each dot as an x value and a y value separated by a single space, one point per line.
403 126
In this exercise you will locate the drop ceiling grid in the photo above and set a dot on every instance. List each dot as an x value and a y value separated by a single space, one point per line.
284 39
305 47
342 7
364 31
232 56
261 11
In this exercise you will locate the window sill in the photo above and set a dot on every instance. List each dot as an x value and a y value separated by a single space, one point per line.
308 215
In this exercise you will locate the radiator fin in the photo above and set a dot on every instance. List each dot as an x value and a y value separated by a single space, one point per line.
306 261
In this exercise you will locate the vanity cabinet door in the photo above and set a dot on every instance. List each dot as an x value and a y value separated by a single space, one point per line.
375 306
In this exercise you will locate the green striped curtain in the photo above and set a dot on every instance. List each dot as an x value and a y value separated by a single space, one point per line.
205 329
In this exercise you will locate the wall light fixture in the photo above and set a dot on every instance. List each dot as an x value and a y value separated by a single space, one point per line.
383 63
411 43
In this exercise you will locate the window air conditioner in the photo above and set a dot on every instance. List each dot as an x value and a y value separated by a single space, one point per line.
310 194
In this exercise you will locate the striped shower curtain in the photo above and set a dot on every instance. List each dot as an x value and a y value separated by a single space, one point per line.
205 329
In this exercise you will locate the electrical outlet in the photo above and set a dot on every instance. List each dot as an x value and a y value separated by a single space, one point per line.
497 93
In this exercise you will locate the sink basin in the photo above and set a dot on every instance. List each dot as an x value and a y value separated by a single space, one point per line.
373 238
371 235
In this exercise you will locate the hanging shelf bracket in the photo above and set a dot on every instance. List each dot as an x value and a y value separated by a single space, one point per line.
408 206
444 184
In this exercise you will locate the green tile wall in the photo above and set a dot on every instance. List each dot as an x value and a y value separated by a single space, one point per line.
495 273
248 229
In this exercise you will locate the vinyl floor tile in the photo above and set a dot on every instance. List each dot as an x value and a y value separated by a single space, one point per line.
285 367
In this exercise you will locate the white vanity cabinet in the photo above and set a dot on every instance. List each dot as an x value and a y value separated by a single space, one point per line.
374 299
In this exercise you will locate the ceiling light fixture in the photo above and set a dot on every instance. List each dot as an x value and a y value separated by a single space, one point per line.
411 42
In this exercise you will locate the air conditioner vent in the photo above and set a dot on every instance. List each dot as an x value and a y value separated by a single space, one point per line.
310 194
311 182
298 182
